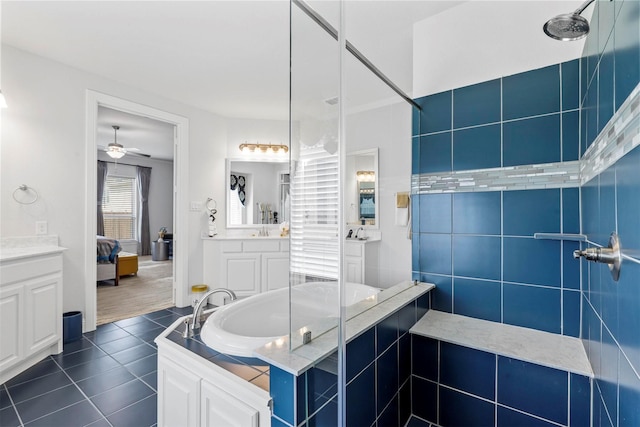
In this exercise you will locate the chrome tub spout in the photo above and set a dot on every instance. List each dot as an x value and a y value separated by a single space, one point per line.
195 321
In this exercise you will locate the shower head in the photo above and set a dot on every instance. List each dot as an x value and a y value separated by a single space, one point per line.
569 26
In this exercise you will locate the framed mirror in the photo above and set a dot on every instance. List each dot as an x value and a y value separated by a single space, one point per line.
257 192
361 188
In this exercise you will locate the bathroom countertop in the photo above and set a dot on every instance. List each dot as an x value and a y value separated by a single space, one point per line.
221 237
367 240
530 345
13 248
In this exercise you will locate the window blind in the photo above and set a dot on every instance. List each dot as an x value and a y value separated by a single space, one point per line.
119 207
237 211
314 214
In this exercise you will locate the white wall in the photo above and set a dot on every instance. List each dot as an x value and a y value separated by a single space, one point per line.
507 46
252 131
389 129
43 146
160 189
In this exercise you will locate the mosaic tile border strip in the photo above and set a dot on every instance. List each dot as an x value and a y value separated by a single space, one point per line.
620 136
527 177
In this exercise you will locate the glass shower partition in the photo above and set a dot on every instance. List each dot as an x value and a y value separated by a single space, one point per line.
340 105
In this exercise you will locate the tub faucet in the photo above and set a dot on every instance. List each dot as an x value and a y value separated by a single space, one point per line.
195 321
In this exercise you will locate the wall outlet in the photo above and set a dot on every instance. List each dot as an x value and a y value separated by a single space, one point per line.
195 206
41 228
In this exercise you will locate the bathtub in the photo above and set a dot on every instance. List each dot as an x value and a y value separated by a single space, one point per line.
239 328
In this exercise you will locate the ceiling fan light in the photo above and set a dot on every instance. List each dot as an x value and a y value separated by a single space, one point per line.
115 151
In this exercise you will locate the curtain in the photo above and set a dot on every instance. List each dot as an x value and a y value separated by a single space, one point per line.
102 177
144 235
239 182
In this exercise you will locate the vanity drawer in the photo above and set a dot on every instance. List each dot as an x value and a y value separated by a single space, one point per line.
258 245
23 269
232 246
353 249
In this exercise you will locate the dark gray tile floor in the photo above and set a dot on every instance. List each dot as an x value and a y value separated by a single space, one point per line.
108 378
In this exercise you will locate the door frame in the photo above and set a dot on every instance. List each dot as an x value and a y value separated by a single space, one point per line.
180 191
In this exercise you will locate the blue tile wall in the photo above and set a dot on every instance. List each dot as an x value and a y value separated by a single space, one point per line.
477 148
533 307
532 141
435 113
282 390
531 211
478 248
469 370
611 202
469 387
378 379
570 84
435 153
453 229
477 412
477 104
535 389
532 93
515 120
477 213
570 138
467 263
477 298
548 115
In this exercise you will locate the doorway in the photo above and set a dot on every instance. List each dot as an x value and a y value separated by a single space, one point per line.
179 226
144 283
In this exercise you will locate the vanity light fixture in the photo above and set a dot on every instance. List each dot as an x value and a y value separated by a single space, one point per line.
366 176
263 148
115 150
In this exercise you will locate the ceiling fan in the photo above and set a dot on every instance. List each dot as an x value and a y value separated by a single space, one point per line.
117 151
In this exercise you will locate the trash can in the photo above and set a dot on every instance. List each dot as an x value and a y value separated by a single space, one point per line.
159 250
71 326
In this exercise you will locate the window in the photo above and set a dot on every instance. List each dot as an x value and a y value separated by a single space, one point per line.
237 211
314 214
119 207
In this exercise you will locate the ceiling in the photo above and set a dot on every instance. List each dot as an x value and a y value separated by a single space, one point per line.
230 58
137 134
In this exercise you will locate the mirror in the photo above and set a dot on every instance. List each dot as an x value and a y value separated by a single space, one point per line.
361 188
257 192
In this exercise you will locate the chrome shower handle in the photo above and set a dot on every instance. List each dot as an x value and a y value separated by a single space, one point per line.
611 255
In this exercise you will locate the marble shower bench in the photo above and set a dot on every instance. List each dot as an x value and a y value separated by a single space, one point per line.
469 371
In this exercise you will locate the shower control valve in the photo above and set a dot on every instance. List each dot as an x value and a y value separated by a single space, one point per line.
612 255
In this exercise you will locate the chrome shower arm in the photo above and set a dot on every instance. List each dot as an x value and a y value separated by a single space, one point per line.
582 7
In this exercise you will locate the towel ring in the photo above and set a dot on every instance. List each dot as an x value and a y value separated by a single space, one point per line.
212 207
25 188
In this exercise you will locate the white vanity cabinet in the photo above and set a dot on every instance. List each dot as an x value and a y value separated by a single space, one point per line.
30 308
361 261
246 266
193 391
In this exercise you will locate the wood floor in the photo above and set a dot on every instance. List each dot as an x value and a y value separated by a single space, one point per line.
150 290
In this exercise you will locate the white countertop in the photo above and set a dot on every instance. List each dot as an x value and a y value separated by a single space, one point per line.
530 345
221 237
12 248
367 240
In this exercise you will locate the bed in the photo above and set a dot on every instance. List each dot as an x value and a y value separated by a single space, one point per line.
112 262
